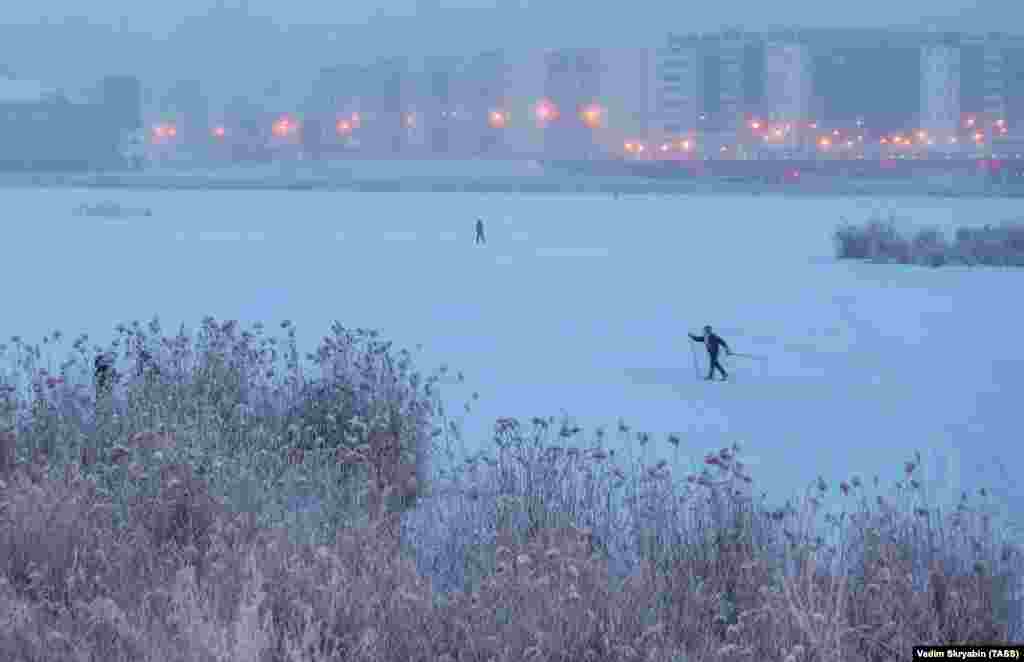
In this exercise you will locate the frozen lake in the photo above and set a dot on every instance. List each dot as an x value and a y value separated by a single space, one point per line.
581 304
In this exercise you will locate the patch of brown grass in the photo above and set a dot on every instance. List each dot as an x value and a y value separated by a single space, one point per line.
549 550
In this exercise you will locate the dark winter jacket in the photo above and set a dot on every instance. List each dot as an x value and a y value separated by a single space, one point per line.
713 342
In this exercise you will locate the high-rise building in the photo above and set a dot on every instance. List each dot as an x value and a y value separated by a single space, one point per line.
40 129
787 88
1013 68
636 100
335 101
485 87
940 94
677 86
729 77
524 135
865 75
388 120
572 85
122 98
992 82
439 104
732 46
190 110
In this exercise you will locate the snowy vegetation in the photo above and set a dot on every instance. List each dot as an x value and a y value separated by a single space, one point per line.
152 522
880 241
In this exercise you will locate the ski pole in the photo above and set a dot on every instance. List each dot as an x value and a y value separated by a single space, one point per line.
693 351
748 356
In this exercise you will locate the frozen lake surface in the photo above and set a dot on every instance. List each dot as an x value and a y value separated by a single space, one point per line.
581 304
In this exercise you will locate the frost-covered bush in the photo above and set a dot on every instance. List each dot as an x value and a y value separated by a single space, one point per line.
880 241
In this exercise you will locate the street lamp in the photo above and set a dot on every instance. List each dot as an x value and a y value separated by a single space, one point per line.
497 119
591 116
545 111
283 127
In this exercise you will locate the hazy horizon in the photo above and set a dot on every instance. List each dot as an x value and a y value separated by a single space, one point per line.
267 42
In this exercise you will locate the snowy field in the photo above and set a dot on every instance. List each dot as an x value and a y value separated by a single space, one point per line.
581 304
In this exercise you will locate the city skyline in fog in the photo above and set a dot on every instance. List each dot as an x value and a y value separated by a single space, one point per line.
244 46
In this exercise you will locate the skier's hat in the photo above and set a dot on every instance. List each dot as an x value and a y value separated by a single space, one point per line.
707 327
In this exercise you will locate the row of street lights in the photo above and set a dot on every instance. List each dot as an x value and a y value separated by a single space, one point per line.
545 111
593 116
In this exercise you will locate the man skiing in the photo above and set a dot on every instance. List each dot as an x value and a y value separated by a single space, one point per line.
479 233
713 342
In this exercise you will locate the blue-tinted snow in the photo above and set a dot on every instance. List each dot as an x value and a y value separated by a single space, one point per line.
581 304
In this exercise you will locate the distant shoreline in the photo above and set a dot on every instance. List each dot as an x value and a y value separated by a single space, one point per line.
542 183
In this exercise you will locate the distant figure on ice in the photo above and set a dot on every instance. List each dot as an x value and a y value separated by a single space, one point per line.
479 233
713 342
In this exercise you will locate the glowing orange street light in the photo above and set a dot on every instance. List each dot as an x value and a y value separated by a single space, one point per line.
978 137
545 111
161 131
686 145
825 143
922 135
283 127
219 132
496 119
884 141
343 127
591 116
755 125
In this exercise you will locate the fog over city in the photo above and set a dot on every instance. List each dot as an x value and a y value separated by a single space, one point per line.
227 42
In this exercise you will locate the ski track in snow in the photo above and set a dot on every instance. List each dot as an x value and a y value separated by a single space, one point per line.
582 303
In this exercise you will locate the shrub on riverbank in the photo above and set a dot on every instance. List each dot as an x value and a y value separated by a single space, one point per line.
151 527
880 241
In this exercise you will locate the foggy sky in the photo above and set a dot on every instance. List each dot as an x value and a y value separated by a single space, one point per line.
162 17
234 46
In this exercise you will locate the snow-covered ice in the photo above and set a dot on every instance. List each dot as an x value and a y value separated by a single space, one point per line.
582 303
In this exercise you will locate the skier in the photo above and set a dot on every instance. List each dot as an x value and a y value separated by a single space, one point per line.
479 233
713 342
